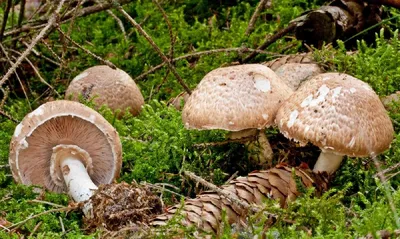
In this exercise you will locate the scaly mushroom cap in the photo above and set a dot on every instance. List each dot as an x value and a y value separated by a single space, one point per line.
235 98
64 123
114 88
339 114
294 74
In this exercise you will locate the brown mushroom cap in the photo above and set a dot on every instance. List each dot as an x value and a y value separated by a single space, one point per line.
339 114
63 123
294 74
114 88
235 98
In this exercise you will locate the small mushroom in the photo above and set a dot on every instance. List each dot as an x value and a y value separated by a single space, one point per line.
65 146
294 74
341 115
237 99
114 88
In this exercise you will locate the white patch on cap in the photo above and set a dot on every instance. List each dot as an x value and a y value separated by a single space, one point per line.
231 123
80 76
18 129
306 129
306 101
37 112
325 78
336 93
292 118
92 118
352 90
24 144
322 93
367 87
261 83
352 142
265 116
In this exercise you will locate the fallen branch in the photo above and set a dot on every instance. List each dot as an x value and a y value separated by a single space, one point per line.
106 62
201 53
81 13
271 40
261 5
42 33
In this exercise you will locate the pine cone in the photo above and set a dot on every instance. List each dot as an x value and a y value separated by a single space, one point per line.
278 183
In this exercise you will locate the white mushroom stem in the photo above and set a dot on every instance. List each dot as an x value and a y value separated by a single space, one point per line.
328 162
71 166
80 185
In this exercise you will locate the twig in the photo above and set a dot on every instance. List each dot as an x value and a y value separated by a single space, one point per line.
5 17
62 225
106 62
162 188
271 40
52 52
42 33
207 52
119 22
391 168
18 224
35 228
5 91
47 203
255 15
388 195
153 44
38 74
16 74
171 33
232 197
67 17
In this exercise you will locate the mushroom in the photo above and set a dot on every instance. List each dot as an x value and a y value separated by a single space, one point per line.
114 88
294 74
239 99
65 146
341 115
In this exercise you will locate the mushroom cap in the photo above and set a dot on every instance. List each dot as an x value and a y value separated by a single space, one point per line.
63 122
294 74
235 98
339 114
114 88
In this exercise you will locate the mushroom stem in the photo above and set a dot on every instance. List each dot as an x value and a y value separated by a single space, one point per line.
80 185
328 162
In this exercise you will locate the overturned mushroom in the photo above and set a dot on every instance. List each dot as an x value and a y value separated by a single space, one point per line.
240 99
65 146
114 88
341 115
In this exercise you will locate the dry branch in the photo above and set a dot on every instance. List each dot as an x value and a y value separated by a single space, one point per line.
201 53
271 40
81 13
153 44
42 33
106 62
261 5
